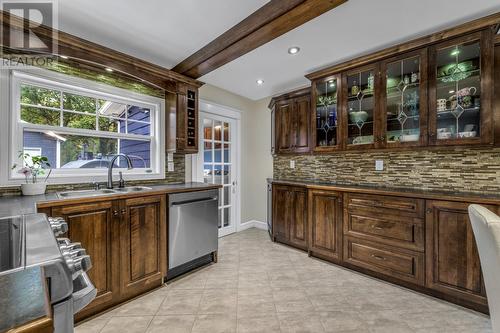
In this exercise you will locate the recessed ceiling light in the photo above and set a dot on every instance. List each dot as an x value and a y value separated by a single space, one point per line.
293 50
64 57
260 82
108 69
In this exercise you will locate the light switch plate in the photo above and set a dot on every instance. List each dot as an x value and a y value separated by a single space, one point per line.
170 166
379 165
170 157
292 164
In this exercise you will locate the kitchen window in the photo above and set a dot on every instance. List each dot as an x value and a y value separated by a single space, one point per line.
81 125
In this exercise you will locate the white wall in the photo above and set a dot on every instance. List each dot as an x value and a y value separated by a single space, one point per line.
256 156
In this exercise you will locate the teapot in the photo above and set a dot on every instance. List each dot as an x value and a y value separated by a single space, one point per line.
466 91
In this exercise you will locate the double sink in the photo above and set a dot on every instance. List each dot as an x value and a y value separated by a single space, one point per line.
101 192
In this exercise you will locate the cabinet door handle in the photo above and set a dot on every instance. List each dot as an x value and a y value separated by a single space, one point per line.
377 257
429 210
115 213
123 211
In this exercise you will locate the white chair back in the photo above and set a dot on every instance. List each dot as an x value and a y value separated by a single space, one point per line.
486 227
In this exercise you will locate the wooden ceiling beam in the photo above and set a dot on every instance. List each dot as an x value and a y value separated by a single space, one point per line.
80 49
267 23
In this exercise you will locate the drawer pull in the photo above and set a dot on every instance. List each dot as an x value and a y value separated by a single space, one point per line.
377 257
376 227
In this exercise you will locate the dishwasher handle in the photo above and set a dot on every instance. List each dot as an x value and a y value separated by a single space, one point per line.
187 202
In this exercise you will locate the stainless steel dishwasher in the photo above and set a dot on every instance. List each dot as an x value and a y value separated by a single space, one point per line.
192 230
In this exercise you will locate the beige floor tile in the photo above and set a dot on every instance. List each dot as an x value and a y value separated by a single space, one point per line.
300 323
92 326
219 301
131 324
172 324
342 321
261 324
260 286
181 302
255 305
146 305
215 323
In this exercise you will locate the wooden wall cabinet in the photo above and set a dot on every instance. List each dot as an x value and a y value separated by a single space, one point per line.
439 93
126 240
182 119
453 265
325 224
291 116
290 215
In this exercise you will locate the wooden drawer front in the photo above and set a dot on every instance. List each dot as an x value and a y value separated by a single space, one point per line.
386 204
406 233
402 264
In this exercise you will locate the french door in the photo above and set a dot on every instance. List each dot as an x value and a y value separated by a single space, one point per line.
217 156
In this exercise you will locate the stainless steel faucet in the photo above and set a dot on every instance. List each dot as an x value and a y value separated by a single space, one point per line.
110 168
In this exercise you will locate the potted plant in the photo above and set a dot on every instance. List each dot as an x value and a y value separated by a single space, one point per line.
34 167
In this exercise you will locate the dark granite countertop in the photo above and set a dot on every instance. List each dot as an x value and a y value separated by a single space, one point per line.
18 204
395 191
23 298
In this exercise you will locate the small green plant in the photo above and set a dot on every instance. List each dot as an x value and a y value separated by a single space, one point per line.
34 166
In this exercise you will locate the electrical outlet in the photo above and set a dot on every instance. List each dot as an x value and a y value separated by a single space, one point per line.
170 166
292 164
379 165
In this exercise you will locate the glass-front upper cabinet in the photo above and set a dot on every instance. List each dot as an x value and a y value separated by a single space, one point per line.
405 102
327 122
460 91
360 90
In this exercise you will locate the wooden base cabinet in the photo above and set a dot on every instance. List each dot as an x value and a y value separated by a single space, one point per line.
420 243
325 224
142 244
290 215
126 240
94 226
453 265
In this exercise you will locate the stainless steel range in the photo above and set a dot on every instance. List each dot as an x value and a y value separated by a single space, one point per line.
29 242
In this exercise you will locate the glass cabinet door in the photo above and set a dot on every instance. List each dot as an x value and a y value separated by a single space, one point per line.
327 120
456 102
405 83
361 107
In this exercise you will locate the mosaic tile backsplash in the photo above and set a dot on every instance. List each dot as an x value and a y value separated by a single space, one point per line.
465 170
176 176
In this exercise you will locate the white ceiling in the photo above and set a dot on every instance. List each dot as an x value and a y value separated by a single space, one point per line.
355 28
164 32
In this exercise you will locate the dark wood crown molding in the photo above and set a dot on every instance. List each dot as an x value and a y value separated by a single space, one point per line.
292 94
267 23
92 53
488 21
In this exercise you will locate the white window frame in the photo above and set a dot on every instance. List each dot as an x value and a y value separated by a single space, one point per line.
11 131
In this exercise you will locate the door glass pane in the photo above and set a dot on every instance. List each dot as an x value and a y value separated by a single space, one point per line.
326 113
227 195
227 174
227 137
227 216
226 153
217 130
220 218
208 173
360 107
207 129
403 97
458 91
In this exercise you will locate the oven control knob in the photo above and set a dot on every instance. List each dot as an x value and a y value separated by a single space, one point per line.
68 246
63 241
83 263
58 225
78 264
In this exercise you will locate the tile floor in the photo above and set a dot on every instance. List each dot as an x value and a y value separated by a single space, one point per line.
260 286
